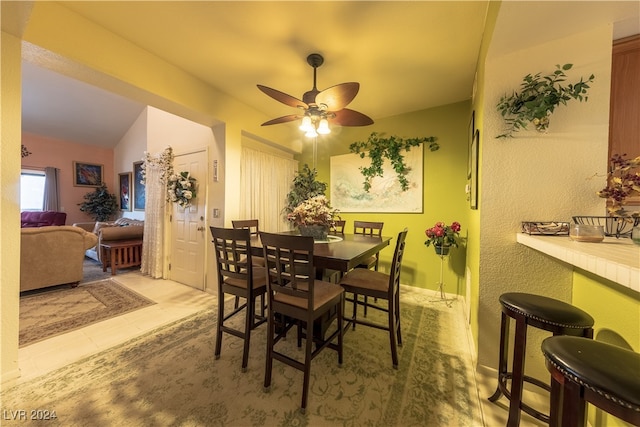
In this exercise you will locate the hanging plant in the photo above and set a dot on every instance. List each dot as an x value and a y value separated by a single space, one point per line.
538 98
181 189
378 148
100 204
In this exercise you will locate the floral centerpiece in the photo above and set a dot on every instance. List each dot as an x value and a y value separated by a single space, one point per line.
181 189
313 217
623 182
443 236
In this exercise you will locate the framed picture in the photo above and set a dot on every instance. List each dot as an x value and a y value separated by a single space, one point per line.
125 191
138 187
87 174
471 131
473 198
385 194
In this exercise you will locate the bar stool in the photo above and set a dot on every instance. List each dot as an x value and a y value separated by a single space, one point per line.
543 313
605 375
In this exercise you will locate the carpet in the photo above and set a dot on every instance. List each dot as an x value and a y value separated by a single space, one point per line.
92 271
168 377
53 311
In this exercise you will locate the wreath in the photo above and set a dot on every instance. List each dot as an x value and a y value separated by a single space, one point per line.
181 189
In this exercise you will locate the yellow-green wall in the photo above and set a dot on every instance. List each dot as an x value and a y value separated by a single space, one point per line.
444 179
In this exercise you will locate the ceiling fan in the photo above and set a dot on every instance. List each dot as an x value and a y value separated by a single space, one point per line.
319 108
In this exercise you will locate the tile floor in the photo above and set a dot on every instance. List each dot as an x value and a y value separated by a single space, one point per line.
175 301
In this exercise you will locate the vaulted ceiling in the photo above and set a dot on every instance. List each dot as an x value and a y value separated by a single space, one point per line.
407 56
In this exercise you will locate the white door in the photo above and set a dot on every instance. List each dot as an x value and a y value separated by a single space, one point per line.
187 263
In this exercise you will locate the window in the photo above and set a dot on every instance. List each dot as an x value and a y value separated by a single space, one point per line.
31 190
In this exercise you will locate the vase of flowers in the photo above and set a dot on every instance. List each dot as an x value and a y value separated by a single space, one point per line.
443 236
313 217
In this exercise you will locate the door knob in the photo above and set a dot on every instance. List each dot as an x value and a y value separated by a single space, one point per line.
200 228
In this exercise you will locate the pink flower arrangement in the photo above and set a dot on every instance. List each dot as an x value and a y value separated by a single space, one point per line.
443 235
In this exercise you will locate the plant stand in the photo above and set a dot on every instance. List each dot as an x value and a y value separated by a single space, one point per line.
440 282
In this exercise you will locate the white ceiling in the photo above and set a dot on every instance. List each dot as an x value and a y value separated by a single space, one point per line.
407 56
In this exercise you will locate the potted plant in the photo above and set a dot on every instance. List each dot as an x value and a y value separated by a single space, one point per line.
443 236
623 181
538 97
304 186
100 204
313 217
378 148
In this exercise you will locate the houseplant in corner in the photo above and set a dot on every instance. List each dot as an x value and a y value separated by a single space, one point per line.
538 97
313 217
443 236
100 204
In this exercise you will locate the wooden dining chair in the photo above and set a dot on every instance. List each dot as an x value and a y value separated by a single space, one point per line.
295 295
239 277
368 228
371 283
338 227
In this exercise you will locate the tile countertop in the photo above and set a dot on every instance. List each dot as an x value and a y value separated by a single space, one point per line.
614 259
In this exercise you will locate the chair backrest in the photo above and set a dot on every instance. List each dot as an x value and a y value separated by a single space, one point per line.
289 262
368 227
250 224
233 253
396 264
338 226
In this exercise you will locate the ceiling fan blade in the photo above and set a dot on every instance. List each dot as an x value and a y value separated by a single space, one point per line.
347 117
283 97
283 119
339 96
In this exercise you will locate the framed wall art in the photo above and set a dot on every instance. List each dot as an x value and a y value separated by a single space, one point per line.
473 198
385 194
138 187
87 174
125 191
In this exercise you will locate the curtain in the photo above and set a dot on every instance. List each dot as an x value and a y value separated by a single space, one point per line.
265 181
50 199
154 218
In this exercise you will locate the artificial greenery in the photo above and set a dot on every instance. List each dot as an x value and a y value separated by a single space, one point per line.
538 97
304 187
100 204
380 148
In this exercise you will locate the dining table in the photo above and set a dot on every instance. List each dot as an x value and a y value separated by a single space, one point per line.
340 252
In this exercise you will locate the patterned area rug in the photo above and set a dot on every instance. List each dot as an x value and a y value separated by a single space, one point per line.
168 377
54 311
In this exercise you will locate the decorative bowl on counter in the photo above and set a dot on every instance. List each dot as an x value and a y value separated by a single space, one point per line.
586 233
613 226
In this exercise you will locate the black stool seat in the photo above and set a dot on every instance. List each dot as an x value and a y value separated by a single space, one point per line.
605 375
548 314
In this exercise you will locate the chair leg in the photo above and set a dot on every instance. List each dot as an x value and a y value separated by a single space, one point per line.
517 380
502 361
355 310
307 366
392 334
219 326
573 406
340 328
248 324
269 362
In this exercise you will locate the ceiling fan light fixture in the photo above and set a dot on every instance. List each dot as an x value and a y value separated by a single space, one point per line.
306 124
311 133
323 127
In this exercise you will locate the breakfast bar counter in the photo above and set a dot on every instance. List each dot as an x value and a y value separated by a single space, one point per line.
617 260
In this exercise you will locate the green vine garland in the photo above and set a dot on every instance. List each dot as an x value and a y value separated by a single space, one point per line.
391 148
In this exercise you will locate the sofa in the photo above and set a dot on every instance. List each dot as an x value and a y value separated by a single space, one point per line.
42 218
120 229
52 255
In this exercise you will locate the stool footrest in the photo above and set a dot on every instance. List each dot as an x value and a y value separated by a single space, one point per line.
503 390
